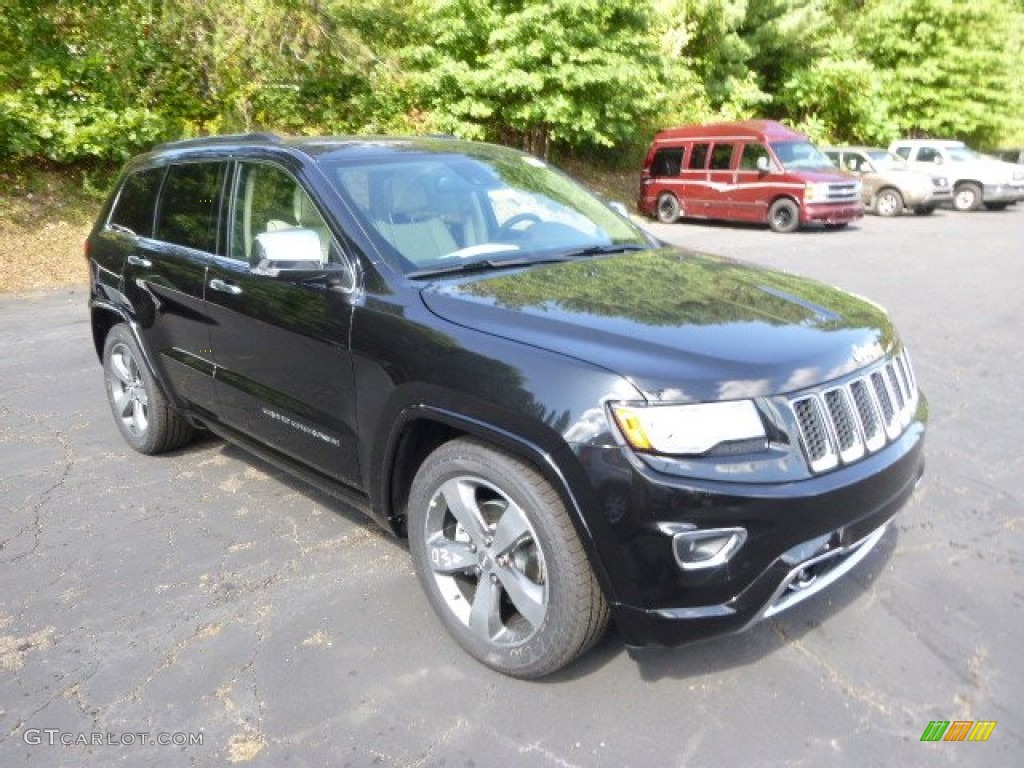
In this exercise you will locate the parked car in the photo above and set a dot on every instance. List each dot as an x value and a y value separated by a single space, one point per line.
887 185
569 422
976 180
756 170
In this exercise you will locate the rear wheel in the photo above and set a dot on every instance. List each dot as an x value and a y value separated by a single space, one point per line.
784 216
500 561
967 196
668 208
889 202
143 415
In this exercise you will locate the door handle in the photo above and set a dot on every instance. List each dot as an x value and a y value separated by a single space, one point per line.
139 261
224 287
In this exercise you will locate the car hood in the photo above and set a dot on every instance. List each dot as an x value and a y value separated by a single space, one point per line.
680 326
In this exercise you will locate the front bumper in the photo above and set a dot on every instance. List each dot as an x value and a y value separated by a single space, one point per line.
1003 193
801 538
830 213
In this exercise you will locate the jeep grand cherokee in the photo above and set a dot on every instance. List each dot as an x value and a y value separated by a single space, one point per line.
570 423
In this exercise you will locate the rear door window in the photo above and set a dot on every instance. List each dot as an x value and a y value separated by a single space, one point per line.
190 205
136 202
721 157
698 157
667 162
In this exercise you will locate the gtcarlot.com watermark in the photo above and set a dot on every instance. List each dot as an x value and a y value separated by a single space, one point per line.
56 737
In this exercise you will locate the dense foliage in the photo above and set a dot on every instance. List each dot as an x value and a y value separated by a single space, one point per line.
105 78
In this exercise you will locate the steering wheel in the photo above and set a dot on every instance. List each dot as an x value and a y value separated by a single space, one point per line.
510 225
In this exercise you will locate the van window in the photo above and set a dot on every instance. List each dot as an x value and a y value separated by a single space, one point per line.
698 157
721 157
903 152
137 201
751 154
190 205
667 162
929 155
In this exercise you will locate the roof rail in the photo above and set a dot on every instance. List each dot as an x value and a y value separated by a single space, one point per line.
227 138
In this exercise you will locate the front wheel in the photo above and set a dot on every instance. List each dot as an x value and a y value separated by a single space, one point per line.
143 415
500 561
889 203
784 216
668 208
967 197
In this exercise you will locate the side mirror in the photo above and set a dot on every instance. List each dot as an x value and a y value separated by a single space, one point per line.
296 255
287 249
764 164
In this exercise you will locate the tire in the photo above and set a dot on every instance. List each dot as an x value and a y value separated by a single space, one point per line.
997 206
668 208
144 417
924 210
967 196
888 203
500 561
784 216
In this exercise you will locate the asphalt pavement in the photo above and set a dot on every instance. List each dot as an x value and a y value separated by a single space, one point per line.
202 608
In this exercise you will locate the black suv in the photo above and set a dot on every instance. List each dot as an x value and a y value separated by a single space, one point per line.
569 422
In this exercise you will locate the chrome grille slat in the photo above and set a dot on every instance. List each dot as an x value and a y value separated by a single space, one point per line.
842 424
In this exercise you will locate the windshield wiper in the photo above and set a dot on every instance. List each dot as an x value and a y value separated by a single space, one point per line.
487 265
476 266
598 250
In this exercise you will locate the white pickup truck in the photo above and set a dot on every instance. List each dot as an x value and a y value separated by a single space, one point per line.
977 180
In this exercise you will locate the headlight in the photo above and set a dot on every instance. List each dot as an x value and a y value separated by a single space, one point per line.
817 193
688 429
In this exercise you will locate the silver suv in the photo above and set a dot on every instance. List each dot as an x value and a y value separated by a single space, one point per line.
888 186
976 179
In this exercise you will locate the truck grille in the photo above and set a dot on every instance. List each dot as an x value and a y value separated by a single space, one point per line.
843 193
844 423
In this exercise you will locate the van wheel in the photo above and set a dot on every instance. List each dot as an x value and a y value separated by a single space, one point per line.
668 208
500 561
784 216
889 202
967 197
143 415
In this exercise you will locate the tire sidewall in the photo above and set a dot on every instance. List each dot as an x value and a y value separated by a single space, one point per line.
896 206
144 443
540 653
975 193
794 222
668 210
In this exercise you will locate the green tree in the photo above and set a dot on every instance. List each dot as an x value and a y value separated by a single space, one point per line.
536 72
953 66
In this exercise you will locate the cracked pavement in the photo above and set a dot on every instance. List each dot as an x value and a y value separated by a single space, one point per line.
205 592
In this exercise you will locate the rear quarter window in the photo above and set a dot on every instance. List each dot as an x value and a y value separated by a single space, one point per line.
136 202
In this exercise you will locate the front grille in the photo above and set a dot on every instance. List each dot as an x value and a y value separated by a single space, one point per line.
842 424
843 193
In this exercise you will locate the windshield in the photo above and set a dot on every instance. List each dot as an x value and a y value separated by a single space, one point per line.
884 159
800 155
438 212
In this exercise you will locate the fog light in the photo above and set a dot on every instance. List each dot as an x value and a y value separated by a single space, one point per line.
707 548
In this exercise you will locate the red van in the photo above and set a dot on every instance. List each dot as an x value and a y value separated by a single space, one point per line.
754 170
